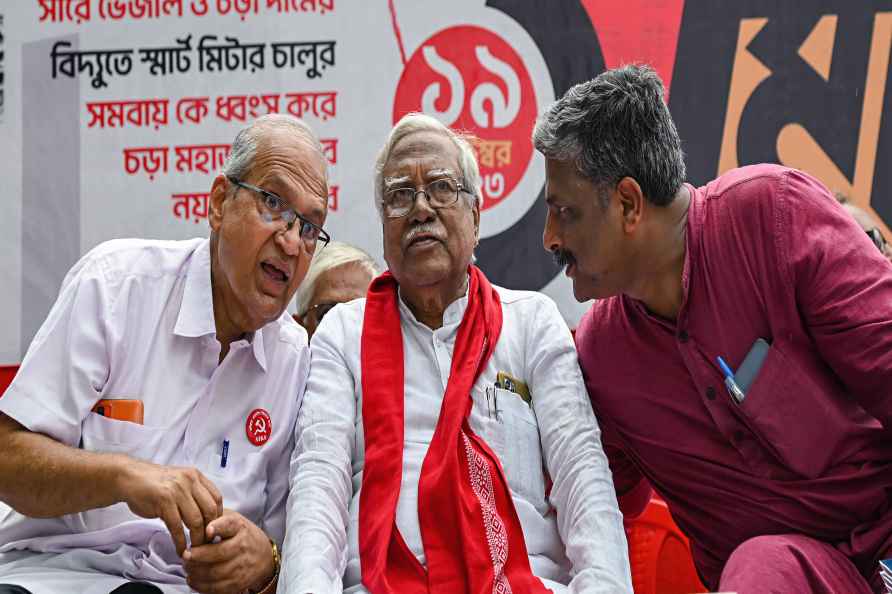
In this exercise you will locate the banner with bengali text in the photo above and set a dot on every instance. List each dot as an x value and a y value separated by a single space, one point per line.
115 115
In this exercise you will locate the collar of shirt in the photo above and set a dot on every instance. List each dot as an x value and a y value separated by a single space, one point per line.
196 315
452 316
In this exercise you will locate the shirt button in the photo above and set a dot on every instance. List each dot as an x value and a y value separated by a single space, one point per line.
710 393
683 336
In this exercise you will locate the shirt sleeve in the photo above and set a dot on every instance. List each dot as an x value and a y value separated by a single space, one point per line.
277 474
67 363
632 488
315 552
582 492
843 288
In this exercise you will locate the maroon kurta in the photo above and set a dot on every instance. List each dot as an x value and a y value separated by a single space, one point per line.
769 254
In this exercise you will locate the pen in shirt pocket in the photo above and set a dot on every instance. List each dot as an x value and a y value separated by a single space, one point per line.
730 383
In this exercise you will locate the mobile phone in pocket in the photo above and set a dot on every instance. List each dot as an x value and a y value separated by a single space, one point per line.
121 409
749 369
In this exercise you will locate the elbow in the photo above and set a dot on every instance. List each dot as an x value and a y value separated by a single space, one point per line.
23 505
633 503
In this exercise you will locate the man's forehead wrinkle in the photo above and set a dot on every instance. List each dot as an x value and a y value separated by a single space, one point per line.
424 143
281 181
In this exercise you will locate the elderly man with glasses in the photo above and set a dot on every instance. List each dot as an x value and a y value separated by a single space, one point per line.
145 443
338 274
446 443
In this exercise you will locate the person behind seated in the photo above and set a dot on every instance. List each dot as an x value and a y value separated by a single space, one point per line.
868 223
779 470
191 496
445 442
337 274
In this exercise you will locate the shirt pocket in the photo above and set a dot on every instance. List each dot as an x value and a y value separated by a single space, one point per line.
795 415
509 427
242 482
102 434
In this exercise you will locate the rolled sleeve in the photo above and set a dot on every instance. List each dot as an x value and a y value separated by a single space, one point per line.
67 363
315 552
589 520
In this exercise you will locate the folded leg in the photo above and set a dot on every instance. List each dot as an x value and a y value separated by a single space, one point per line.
784 563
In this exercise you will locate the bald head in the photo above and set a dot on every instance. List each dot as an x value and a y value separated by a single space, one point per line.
263 131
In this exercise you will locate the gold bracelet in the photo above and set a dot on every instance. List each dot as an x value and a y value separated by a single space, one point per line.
277 562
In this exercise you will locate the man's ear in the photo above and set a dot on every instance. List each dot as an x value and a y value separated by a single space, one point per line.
632 202
477 222
215 202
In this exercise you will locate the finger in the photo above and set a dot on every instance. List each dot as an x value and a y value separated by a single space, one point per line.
170 515
192 517
226 526
207 505
215 495
210 553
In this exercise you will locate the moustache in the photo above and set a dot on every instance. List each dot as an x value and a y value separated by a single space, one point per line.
422 229
562 258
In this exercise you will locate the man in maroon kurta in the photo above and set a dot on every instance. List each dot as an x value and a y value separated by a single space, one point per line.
789 489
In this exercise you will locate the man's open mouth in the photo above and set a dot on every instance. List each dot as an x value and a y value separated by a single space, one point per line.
274 272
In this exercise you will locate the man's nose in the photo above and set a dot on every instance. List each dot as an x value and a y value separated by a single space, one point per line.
550 239
289 240
422 210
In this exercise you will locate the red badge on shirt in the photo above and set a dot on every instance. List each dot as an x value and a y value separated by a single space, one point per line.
259 427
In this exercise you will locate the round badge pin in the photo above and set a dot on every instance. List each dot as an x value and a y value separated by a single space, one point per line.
259 427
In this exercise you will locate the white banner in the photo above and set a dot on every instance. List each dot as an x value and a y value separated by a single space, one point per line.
117 114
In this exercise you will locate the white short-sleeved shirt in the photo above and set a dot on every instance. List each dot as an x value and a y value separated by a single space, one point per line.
573 537
134 319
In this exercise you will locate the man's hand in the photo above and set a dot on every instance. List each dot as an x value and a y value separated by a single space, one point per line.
241 560
177 495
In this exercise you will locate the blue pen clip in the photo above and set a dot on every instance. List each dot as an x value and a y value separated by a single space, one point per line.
224 456
730 384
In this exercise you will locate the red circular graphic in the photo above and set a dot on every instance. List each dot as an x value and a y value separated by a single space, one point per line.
472 80
259 427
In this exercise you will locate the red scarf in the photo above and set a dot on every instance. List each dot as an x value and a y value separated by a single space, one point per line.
473 541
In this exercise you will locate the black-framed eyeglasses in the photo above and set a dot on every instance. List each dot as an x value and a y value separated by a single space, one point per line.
876 236
274 209
440 193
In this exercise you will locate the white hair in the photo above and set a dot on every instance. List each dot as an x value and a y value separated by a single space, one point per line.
419 122
334 255
244 147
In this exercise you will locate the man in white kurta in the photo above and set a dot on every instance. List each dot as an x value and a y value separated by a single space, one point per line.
220 382
548 444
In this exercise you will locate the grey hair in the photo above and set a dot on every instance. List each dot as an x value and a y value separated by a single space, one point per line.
419 122
335 254
244 147
614 126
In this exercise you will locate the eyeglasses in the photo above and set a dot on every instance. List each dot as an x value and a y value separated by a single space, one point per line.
877 238
274 209
440 193
319 310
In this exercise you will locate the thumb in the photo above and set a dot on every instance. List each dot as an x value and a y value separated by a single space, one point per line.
226 526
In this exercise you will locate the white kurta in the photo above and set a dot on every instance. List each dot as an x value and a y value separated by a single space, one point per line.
134 319
573 537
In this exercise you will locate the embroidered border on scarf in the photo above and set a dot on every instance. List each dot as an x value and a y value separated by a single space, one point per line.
496 535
